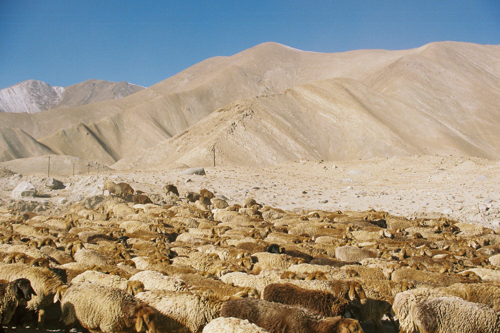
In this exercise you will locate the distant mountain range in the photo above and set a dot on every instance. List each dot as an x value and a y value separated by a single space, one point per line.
272 103
34 96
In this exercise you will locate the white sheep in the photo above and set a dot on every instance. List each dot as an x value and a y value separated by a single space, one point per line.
487 294
232 325
109 280
179 311
241 279
451 315
405 301
109 310
91 257
156 280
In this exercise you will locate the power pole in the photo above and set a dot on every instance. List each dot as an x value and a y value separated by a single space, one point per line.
213 150
48 169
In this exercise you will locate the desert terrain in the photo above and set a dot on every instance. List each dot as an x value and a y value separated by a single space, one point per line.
461 188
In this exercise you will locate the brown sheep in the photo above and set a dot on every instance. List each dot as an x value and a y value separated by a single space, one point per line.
126 189
207 194
171 189
281 318
192 196
12 294
319 302
141 199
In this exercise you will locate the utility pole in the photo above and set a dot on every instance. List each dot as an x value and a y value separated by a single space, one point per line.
213 150
48 169
73 169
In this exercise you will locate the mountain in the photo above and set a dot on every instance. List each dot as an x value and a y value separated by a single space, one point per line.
30 96
34 96
272 103
144 119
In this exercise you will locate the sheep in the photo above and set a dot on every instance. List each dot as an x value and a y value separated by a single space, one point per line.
44 282
319 302
232 325
91 257
171 189
347 289
192 196
374 310
156 280
126 189
107 309
135 287
405 301
487 294
112 188
182 311
101 278
12 295
266 260
276 317
426 278
200 283
242 279
449 315
207 194
353 254
141 199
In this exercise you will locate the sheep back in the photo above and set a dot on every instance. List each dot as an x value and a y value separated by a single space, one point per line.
98 307
449 314
319 302
276 317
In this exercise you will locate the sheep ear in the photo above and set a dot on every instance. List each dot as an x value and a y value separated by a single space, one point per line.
57 296
352 292
139 324
14 289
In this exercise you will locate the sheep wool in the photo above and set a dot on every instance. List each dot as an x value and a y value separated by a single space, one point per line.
451 315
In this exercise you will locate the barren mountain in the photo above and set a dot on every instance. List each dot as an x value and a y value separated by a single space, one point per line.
276 104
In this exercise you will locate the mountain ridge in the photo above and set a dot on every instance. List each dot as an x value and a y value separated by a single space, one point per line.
440 98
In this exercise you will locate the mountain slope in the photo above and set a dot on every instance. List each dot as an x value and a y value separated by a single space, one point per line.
14 143
441 98
336 119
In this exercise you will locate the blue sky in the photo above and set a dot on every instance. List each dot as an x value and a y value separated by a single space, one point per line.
144 42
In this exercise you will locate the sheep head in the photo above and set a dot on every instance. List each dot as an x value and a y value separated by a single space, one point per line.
22 287
134 287
145 317
348 325
356 292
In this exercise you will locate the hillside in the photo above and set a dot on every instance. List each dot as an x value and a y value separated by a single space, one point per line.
279 104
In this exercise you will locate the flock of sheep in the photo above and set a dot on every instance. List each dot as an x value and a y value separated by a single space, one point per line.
199 264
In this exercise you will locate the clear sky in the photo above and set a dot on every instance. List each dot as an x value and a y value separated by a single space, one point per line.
63 42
